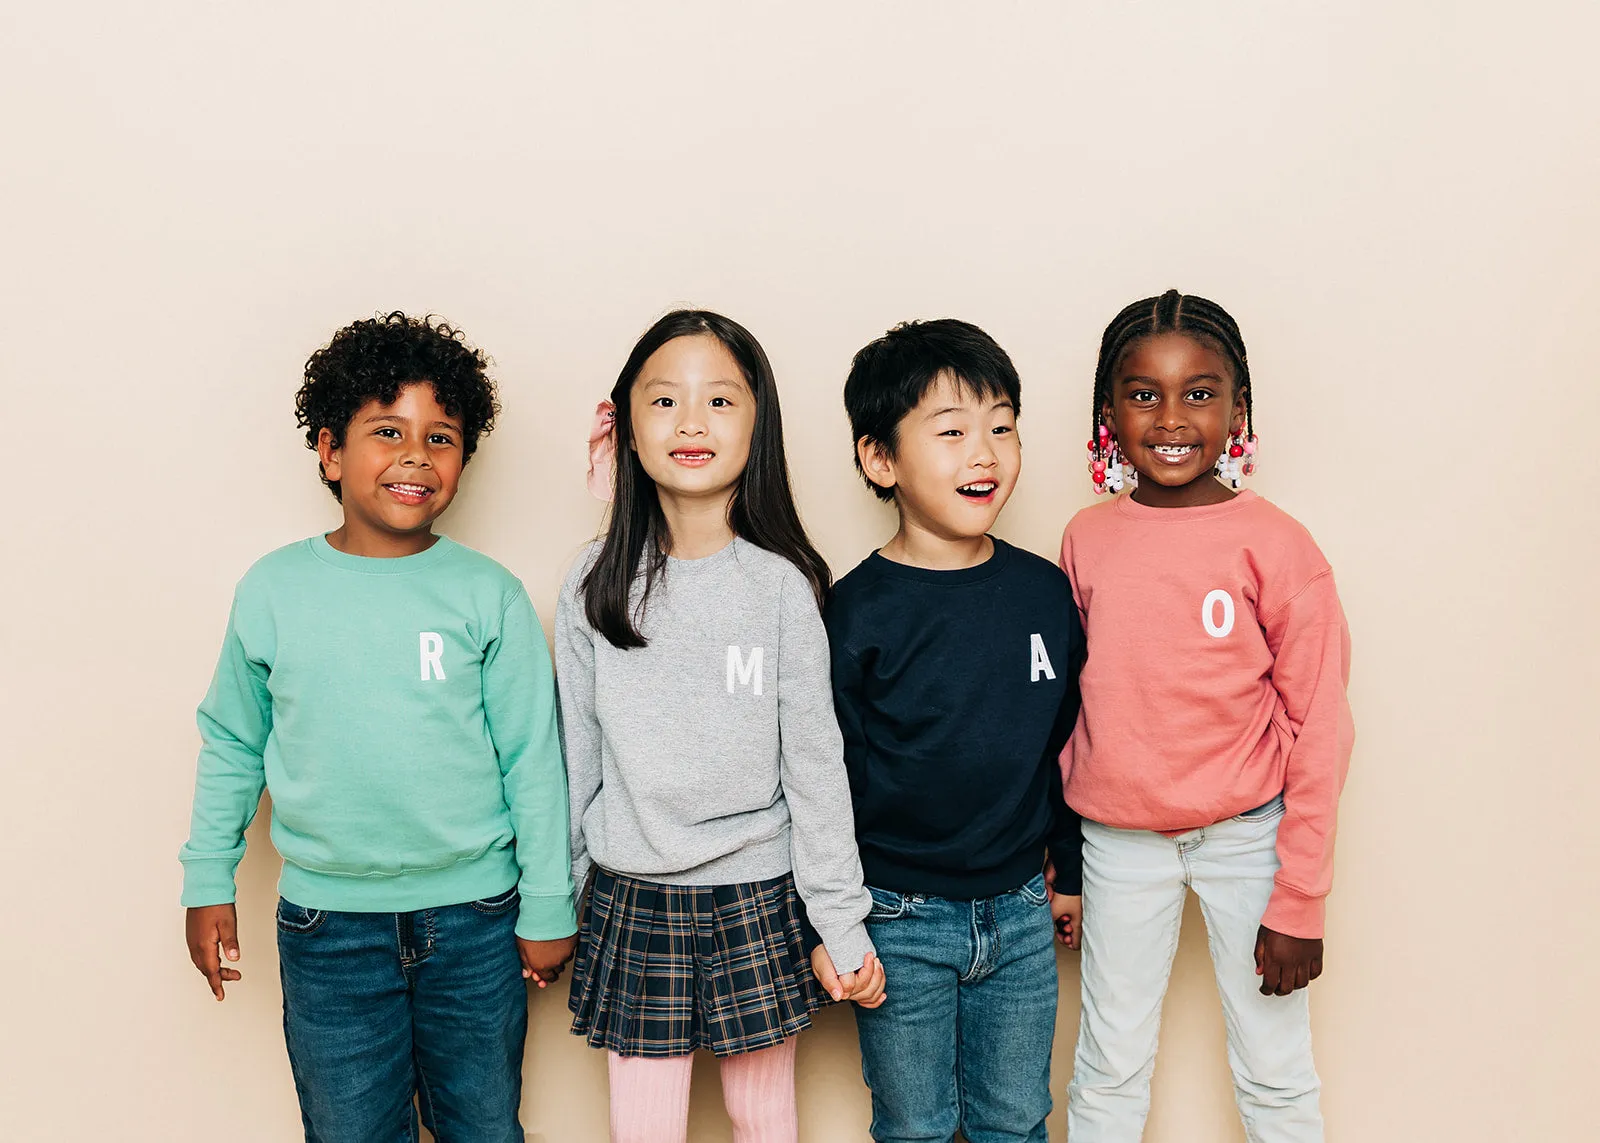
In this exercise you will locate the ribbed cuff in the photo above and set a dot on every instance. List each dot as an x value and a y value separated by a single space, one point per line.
1294 914
208 881
546 918
1068 862
848 950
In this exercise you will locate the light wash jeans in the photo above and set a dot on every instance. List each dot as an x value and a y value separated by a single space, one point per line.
1133 893
964 1039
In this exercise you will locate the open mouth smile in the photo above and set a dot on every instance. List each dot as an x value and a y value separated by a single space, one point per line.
693 457
979 491
1174 454
409 493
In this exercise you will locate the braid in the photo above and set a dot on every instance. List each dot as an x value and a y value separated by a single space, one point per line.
1172 312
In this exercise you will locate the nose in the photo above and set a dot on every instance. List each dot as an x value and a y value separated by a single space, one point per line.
1172 415
414 456
983 454
690 422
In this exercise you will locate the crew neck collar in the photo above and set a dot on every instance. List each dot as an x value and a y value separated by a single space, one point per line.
996 563
380 565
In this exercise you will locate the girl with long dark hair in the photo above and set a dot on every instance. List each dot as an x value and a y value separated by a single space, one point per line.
705 766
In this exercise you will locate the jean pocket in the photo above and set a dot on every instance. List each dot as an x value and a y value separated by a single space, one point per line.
499 903
294 918
1033 892
1263 813
887 905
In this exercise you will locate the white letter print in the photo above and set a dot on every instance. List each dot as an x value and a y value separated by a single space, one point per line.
743 671
1039 660
432 655
1208 612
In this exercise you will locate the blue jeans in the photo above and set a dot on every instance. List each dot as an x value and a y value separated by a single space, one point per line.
383 1008
964 1038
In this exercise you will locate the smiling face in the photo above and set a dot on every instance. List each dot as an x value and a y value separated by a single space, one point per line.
955 461
397 469
1173 407
691 415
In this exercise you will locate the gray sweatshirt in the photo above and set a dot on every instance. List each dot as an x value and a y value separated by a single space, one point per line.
712 756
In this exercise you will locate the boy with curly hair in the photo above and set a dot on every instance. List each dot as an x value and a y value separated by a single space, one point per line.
392 689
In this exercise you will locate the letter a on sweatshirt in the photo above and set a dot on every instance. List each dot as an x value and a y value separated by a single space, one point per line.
744 671
1039 662
432 655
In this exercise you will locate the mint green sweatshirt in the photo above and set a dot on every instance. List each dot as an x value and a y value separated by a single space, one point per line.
402 714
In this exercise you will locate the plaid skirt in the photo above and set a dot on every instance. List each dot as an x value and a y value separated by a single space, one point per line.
665 969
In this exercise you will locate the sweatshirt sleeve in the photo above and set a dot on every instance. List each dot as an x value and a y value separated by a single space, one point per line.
1065 841
1310 644
519 701
235 720
827 866
580 728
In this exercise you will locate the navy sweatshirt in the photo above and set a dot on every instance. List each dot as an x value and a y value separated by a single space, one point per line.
956 691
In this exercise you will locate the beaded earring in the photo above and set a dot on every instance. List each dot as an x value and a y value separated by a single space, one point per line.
1238 460
1107 469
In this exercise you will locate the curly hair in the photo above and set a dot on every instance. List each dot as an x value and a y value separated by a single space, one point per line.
373 359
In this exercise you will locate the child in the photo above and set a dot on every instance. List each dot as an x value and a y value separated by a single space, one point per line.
955 662
702 750
1215 732
392 689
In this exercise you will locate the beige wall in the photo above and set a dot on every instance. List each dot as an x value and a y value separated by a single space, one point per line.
1398 200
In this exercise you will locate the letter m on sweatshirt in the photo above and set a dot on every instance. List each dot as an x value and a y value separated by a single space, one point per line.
744 672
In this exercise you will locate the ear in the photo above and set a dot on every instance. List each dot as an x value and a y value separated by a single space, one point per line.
1240 414
876 462
328 454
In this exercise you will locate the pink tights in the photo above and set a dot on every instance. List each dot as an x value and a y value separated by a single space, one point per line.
650 1097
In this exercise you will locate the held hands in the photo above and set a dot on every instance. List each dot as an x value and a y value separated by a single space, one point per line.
1065 911
1286 963
543 961
205 930
864 986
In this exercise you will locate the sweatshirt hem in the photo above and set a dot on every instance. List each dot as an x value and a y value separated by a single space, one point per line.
473 880
903 877
755 861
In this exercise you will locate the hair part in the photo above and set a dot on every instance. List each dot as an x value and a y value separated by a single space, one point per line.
373 359
1189 314
762 510
889 378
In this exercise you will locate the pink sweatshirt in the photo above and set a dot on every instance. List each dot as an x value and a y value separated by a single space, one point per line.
1218 659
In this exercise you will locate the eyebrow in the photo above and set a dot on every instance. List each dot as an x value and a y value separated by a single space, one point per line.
401 420
937 413
1141 380
665 383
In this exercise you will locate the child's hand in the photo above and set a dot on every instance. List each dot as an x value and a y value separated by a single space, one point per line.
1067 913
1286 963
204 929
543 960
865 986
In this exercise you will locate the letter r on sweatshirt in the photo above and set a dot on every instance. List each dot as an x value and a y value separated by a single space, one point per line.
744 671
1039 660
432 655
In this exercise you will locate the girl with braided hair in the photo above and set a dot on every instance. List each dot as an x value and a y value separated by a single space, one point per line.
1214 734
